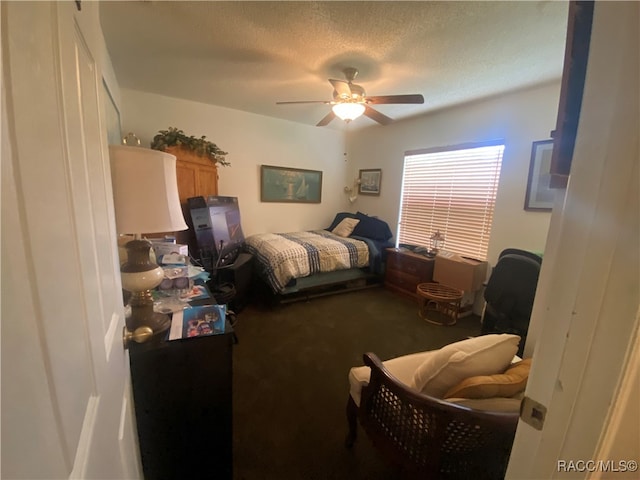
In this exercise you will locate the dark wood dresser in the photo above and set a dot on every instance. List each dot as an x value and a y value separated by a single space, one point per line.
182 395
405 270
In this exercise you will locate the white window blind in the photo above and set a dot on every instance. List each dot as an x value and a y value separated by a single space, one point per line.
453 191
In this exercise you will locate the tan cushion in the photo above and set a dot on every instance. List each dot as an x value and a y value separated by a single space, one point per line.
483 355
506 384
345 227
499 404
400 367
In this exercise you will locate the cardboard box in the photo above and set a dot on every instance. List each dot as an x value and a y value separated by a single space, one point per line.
165 248
459 272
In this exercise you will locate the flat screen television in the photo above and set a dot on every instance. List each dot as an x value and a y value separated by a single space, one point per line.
216 221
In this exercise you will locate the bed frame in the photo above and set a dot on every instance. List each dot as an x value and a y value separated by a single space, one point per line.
321 284
329 283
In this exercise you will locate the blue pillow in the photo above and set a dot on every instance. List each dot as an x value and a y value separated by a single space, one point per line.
371 227
339 217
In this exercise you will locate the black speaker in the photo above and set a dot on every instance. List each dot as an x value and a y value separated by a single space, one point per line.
239 275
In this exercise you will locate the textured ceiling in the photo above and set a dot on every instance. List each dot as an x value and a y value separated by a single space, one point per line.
248 55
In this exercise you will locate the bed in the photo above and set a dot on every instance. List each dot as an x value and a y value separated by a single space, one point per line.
310 262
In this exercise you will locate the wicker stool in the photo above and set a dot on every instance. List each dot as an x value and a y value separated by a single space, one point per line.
442 301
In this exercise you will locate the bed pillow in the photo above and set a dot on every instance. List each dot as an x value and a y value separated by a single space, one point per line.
373 228
483 355
345 227
338 218
506 384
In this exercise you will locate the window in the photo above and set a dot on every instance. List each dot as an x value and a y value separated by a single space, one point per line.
451 190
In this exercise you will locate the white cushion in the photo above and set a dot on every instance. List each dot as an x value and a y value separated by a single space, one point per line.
345 227
483 355
402 368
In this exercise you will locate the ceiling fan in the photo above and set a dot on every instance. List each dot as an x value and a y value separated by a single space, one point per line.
350 101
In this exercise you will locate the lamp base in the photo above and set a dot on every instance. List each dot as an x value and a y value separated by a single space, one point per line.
158 322
139 276
142 314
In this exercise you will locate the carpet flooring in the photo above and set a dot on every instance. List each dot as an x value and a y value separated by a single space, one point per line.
290 385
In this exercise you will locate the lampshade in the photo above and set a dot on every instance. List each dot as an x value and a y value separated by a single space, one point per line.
145 190
348 111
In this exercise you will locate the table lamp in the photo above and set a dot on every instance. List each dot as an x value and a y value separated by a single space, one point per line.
145 194
437 242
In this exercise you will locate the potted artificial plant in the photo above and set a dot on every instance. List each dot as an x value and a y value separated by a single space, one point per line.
172 137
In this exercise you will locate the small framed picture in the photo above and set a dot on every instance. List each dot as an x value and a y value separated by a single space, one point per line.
539 196
369 181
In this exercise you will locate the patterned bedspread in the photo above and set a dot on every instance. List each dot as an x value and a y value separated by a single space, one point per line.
285 256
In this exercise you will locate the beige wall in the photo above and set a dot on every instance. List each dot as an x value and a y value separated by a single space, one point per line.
519 118
251 140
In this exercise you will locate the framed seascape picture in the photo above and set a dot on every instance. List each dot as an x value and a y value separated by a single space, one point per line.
290 185
539 196
369 181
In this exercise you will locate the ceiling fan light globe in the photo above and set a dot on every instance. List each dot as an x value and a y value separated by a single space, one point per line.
348 111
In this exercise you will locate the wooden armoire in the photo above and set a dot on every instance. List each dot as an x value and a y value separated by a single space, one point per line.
197 176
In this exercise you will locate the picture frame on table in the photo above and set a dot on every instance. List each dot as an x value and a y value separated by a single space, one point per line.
290 185
540 195
369 181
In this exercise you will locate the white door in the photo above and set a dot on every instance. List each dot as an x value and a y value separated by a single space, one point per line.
65 401
587 309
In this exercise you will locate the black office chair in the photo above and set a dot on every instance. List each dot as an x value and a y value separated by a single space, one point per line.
509 294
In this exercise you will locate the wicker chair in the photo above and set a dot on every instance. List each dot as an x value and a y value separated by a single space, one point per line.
426 437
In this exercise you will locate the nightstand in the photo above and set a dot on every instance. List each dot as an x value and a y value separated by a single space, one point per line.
404 270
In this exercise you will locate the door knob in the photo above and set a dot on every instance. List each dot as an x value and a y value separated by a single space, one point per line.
139 335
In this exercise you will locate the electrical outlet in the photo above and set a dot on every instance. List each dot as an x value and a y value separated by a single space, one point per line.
533 413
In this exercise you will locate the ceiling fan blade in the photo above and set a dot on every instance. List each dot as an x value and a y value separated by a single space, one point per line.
377 116
414 98
341 87
304 101
326 120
